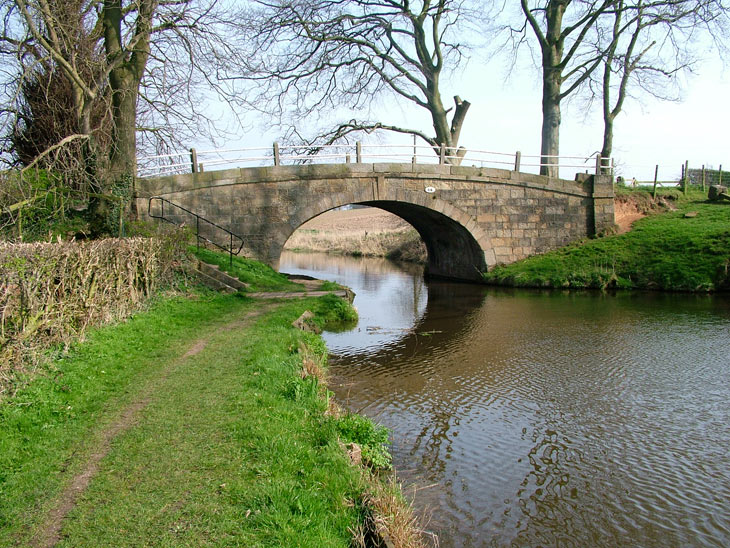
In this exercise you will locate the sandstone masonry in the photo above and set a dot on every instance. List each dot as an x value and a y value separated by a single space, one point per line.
469 218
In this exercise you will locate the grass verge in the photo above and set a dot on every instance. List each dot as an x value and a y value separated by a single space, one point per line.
668 251
259 276
233 446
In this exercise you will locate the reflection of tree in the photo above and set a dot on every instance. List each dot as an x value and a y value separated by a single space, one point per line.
548 496
434 433
417 292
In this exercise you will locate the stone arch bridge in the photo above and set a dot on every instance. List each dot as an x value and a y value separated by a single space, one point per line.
469 218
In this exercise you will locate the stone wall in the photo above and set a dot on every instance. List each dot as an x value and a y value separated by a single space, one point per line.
469 218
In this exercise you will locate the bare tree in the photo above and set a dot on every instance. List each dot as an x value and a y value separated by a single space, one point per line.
649 44
142 60
309 56
64 38
637 41
561 28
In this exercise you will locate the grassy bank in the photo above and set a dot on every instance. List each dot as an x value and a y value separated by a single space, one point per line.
200 422
258 276
673 251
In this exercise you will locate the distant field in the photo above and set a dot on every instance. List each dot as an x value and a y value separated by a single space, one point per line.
366 231
369 219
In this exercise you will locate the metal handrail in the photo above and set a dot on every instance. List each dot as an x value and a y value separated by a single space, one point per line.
416 153
198 218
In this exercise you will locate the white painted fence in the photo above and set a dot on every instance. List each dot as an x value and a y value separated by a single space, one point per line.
206 160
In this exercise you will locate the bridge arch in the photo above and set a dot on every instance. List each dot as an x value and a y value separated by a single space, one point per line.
457 247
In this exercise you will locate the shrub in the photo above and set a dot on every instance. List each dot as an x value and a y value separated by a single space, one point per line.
50 293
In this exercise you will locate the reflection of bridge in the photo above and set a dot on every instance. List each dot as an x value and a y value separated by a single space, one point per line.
470 218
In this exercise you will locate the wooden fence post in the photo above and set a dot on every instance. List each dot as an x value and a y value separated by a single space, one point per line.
277 158
193 160
703 177
442 154
358 152
719 182
685 176
656 174
518 160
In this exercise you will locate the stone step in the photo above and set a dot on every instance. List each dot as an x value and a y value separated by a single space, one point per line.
212 283
212 276
216 273
342 293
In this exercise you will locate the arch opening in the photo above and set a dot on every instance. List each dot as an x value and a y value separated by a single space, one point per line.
356 229
452 251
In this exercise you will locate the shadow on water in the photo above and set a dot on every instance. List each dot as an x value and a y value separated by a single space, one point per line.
532 418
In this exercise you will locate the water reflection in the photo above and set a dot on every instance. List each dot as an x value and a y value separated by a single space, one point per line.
546 419
381 285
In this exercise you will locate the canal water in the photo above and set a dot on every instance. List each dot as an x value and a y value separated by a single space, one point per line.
534 418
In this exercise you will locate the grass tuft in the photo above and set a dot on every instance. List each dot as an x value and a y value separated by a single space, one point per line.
371 437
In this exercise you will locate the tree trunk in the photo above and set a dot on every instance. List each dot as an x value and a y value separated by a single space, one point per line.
607 147
550 145
124 81
448 135
98 208
551 44
123 155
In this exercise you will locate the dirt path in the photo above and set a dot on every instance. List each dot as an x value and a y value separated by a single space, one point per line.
50 533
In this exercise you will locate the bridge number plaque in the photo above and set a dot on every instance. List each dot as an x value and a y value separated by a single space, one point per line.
429 190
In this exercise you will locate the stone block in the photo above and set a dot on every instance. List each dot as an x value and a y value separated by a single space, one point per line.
716 192
471 225
386 168
493 173
428 169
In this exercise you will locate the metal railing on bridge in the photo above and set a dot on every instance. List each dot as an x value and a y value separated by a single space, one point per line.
205 230
205 160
